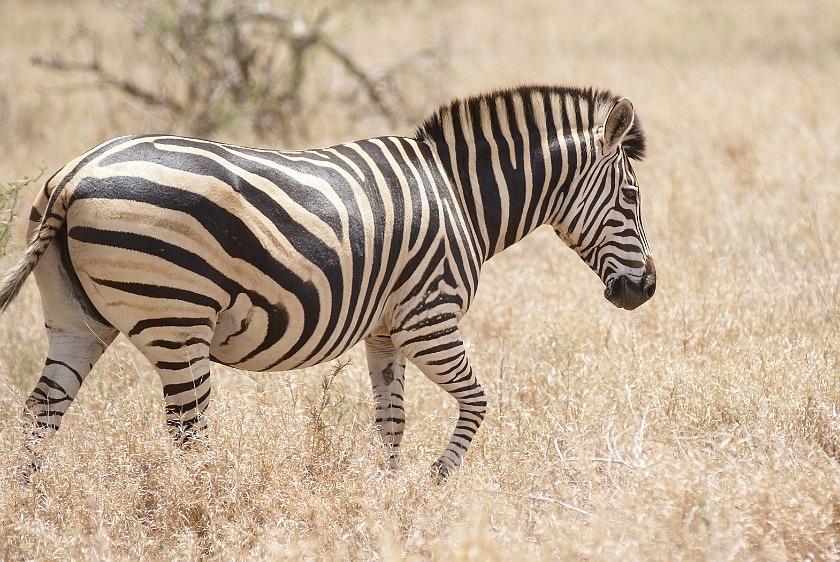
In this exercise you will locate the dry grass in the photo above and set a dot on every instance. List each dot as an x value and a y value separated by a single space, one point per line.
702 426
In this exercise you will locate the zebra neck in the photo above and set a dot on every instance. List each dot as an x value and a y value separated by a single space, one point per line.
503 195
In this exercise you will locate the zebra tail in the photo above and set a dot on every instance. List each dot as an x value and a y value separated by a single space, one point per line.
51 222
12 282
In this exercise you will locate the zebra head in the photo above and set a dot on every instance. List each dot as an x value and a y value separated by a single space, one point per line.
603 222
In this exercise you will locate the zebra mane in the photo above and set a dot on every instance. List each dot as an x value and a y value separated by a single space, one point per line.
594 104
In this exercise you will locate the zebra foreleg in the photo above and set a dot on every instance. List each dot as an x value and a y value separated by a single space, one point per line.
387 376
442 358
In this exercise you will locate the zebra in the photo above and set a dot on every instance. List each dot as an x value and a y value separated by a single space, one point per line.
268 260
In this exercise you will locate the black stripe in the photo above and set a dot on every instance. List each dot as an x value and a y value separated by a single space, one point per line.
178 388
160 292
461 366
462 177
301 193
439 348
168 321
48 401
584 154
381 421
488 185
182 409
177 365
590 190
454 443
60 243
427 238
426 321
557 164
50 361
563 191
432 336
531 216
514 176
46 381
463 258
168 344
604 182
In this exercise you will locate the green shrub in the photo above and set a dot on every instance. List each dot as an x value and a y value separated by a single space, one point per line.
9 197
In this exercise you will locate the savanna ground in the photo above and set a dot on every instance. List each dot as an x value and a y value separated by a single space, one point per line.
702 426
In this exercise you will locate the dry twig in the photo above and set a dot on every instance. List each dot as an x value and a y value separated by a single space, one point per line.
234 58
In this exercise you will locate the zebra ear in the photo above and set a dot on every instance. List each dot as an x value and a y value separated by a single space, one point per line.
618 123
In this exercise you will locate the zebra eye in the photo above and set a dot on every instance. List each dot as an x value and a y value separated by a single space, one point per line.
630 195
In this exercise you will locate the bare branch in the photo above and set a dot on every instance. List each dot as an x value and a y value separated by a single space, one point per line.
303 36
236 58
56 62
108 79
367 82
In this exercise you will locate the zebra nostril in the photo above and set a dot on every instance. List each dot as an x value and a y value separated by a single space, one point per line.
649 278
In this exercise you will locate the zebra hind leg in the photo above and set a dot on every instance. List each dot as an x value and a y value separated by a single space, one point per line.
77 337
182 360
73 350
387 376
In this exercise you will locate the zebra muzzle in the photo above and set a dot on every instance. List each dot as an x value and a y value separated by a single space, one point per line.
628 293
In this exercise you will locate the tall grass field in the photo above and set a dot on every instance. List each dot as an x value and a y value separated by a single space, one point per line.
702 426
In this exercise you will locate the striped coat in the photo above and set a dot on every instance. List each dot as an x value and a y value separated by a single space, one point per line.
204 252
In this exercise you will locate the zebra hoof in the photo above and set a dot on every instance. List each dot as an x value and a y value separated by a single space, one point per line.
440 471
391 465
387 469
27 471
186 437
385 474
